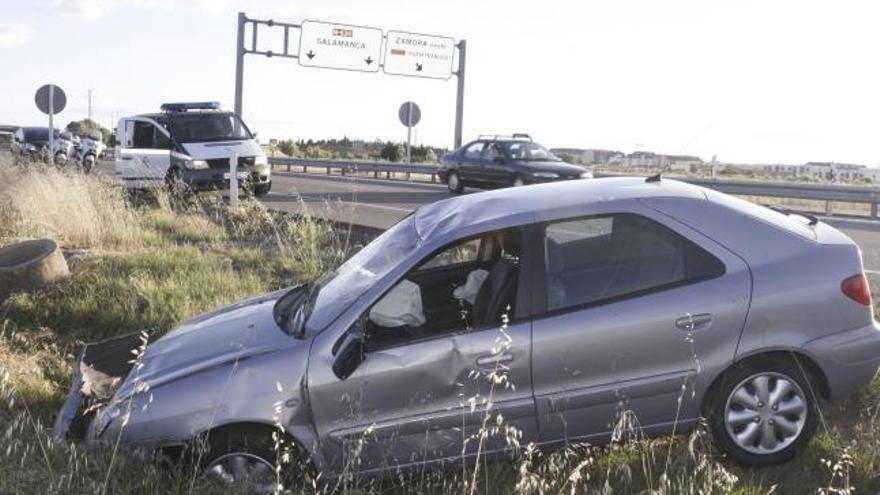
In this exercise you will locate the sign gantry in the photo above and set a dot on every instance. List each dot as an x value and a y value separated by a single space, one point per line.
331 45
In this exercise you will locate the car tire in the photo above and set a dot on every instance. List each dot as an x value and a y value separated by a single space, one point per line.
247 457
88 163
517 181
453 182
261 190
763 411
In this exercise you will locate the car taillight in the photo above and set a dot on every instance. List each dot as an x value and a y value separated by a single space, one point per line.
856 288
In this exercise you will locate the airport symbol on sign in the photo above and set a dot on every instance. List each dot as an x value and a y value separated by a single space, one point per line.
419 55
340 46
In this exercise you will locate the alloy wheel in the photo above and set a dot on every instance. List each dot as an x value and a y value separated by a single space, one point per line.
242 469
453 182
765 413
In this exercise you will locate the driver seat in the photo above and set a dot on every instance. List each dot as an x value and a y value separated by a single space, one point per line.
496 293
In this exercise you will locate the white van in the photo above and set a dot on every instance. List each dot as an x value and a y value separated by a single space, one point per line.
189 145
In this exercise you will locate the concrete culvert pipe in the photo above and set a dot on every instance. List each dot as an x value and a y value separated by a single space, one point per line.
30 265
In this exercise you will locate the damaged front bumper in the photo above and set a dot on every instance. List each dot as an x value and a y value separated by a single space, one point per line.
99 370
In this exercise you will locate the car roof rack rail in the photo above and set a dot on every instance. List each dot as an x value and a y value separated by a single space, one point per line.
517 136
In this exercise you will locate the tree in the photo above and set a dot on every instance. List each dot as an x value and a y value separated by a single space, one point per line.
392 152
288 147
85 126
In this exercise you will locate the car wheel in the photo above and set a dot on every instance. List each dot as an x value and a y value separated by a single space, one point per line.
88 163
518 181
763 412
453 182
247 459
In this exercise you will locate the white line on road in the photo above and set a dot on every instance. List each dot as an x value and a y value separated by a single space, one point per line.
872 272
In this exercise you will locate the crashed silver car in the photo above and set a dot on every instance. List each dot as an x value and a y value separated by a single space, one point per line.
656 297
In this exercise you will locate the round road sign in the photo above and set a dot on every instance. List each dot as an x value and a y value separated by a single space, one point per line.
410 114
59 99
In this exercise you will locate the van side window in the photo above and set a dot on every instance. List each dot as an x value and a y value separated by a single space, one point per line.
606 258
146 136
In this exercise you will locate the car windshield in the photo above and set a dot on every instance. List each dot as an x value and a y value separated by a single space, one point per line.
341 288
529 151
37 134
204 127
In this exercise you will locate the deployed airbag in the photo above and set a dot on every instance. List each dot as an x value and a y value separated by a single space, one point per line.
468 292
400 306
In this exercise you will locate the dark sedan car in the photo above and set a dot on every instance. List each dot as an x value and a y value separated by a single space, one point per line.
28 141
502 161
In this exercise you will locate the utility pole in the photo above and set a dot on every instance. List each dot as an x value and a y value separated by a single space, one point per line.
90 105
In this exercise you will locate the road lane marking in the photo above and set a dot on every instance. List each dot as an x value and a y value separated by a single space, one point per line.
872 272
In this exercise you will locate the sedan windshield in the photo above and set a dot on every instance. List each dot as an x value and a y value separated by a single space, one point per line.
204 127
341 288
529 152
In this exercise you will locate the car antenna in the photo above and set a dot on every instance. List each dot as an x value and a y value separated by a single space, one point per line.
653 178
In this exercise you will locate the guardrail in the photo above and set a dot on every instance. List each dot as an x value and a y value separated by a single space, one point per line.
354 166
829 193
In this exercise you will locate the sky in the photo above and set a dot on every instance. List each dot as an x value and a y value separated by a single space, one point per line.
769 81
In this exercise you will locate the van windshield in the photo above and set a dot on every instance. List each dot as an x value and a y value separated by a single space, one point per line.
205 127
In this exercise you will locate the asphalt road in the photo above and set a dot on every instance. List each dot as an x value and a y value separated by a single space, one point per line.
380 203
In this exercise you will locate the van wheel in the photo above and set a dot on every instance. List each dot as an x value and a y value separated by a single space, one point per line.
453 182
762 412
246 458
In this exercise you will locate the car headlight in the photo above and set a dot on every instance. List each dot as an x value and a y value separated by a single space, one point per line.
196 164
545 175
587 175
30 147
261 161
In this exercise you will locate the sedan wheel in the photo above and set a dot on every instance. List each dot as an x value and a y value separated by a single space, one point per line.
454 183
766 413
762 414
243 470
518 181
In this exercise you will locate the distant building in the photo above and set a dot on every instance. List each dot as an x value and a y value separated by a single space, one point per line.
588 156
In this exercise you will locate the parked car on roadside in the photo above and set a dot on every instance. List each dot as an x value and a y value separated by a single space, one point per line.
668 300
187 146
503 161
29 142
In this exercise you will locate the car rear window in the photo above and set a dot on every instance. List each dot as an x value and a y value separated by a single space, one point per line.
792 223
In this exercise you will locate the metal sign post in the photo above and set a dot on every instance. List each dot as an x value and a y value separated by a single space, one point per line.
357 48
409 114
51 124
233 180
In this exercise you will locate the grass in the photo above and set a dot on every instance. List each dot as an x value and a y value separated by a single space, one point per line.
147 264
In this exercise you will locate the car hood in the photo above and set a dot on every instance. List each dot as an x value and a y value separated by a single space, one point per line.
222 149
561 168
229 334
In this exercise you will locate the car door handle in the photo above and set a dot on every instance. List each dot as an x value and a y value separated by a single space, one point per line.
694 322
493 359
